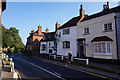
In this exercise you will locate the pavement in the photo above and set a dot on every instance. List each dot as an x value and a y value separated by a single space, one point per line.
6 73
41 68
91 70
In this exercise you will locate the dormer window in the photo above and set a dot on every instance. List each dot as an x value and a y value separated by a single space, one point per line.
108 27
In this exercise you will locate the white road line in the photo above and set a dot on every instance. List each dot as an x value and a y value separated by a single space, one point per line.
43 69
57 73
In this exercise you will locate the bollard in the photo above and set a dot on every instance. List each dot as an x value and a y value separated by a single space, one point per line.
87 61
62 57
15 75
12 66
54 56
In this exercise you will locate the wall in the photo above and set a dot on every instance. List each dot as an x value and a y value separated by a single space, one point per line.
69 37
96 29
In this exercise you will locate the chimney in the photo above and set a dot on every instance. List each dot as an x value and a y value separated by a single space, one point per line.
47 30
104 7
39 30
107 5
82 12
57 26
32 31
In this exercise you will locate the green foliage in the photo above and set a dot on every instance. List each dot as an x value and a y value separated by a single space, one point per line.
11 39
7 62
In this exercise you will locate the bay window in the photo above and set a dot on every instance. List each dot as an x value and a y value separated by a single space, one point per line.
102 47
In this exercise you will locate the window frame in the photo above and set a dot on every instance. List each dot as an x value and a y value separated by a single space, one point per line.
106 47
66 44
86 30
107 27
66 31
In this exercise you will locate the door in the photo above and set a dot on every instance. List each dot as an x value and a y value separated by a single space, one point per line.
81 49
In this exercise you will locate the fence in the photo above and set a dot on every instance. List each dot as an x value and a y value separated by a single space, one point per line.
12 65
72 58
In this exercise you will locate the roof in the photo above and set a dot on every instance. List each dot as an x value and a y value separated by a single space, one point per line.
101 38
104 12
48 37
74 20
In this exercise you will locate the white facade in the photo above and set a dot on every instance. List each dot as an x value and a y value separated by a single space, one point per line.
96 29
48 49
71 37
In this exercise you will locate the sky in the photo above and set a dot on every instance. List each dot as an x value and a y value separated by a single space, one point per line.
26 16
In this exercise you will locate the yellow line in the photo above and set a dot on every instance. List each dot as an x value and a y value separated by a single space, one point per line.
80 70
18 74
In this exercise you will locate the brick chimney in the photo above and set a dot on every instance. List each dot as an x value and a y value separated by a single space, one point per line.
57 26
106 6
39 30
82 12
47 30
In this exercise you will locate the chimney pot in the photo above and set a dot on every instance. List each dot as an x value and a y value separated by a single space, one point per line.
47 30
57 26
39 30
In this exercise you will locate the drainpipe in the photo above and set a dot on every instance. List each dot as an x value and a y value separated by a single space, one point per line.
116 37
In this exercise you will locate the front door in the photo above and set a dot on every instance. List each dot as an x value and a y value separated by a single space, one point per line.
81 49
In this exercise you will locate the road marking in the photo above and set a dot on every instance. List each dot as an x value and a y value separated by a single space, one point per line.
43 69
18 74
79 70
57 73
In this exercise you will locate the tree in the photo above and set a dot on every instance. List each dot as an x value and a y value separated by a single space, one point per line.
11 39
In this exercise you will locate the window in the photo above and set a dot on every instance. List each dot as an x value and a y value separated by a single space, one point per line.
108 27
86 30
102 47
50 50
43 47
66 31
66 44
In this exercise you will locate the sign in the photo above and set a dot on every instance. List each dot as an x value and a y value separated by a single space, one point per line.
86 44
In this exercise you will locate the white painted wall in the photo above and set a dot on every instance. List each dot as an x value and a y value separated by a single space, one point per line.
49 45
69 37
96 29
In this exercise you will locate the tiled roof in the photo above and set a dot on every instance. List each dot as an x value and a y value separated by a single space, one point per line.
104 12
74 20
48 37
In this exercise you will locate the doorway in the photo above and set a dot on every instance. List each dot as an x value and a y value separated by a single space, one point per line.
81 48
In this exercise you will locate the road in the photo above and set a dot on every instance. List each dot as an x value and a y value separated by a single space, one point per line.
35 68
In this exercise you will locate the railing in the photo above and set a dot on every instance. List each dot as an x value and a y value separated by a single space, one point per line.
72 59
12 65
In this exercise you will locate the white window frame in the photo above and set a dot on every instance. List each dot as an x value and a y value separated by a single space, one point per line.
102 48
64 31
107 27
85 32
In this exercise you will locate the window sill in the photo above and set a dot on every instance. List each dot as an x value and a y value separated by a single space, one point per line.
107 31
102 53
86 34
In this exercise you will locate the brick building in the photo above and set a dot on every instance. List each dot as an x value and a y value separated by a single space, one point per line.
33 41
